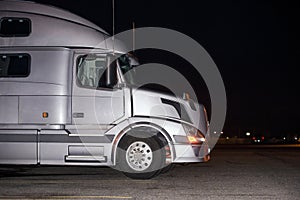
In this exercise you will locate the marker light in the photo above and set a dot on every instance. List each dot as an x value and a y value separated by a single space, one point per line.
45 115
186 96
192 139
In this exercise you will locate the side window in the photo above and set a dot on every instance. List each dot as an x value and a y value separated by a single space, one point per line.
90 69
15 27
14 65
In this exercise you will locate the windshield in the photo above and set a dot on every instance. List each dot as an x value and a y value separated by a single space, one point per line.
127 64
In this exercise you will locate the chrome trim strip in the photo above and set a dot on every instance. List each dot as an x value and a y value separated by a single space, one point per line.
30 126
54 138
89 127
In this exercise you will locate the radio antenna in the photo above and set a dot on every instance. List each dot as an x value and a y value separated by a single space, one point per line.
113 22
133 36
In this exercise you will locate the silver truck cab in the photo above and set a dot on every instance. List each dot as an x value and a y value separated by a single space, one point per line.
64 99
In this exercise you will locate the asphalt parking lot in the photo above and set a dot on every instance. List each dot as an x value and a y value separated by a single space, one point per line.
234 172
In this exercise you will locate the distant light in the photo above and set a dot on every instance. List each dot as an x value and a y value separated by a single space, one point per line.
248 134
227 138
284 138
296 138
221 132
215 132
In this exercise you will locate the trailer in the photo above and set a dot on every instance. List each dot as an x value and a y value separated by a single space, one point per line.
64 99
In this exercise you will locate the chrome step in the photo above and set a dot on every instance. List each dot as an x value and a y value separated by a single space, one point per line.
85 159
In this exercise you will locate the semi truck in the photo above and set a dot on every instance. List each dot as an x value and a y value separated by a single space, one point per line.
64 99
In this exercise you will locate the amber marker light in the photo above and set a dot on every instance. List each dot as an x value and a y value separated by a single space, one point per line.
192 139
45 115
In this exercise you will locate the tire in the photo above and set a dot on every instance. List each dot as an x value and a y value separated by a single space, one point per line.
140 157
167 168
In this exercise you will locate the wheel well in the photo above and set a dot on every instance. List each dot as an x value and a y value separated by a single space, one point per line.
144 131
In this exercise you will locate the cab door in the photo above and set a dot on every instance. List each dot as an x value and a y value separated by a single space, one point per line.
96 99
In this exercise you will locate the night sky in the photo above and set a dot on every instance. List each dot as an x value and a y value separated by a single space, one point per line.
250 41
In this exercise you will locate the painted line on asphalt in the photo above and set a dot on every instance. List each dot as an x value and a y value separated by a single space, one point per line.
65 197
15 181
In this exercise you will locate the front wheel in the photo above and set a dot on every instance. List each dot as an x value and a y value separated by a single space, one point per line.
140 157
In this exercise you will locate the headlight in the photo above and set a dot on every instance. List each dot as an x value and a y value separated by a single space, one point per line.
190 130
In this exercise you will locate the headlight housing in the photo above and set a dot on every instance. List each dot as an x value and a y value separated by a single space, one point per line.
194 136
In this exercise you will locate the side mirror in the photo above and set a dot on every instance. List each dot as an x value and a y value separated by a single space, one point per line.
133 62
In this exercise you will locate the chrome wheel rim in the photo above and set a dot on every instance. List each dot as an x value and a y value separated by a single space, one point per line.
139 156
